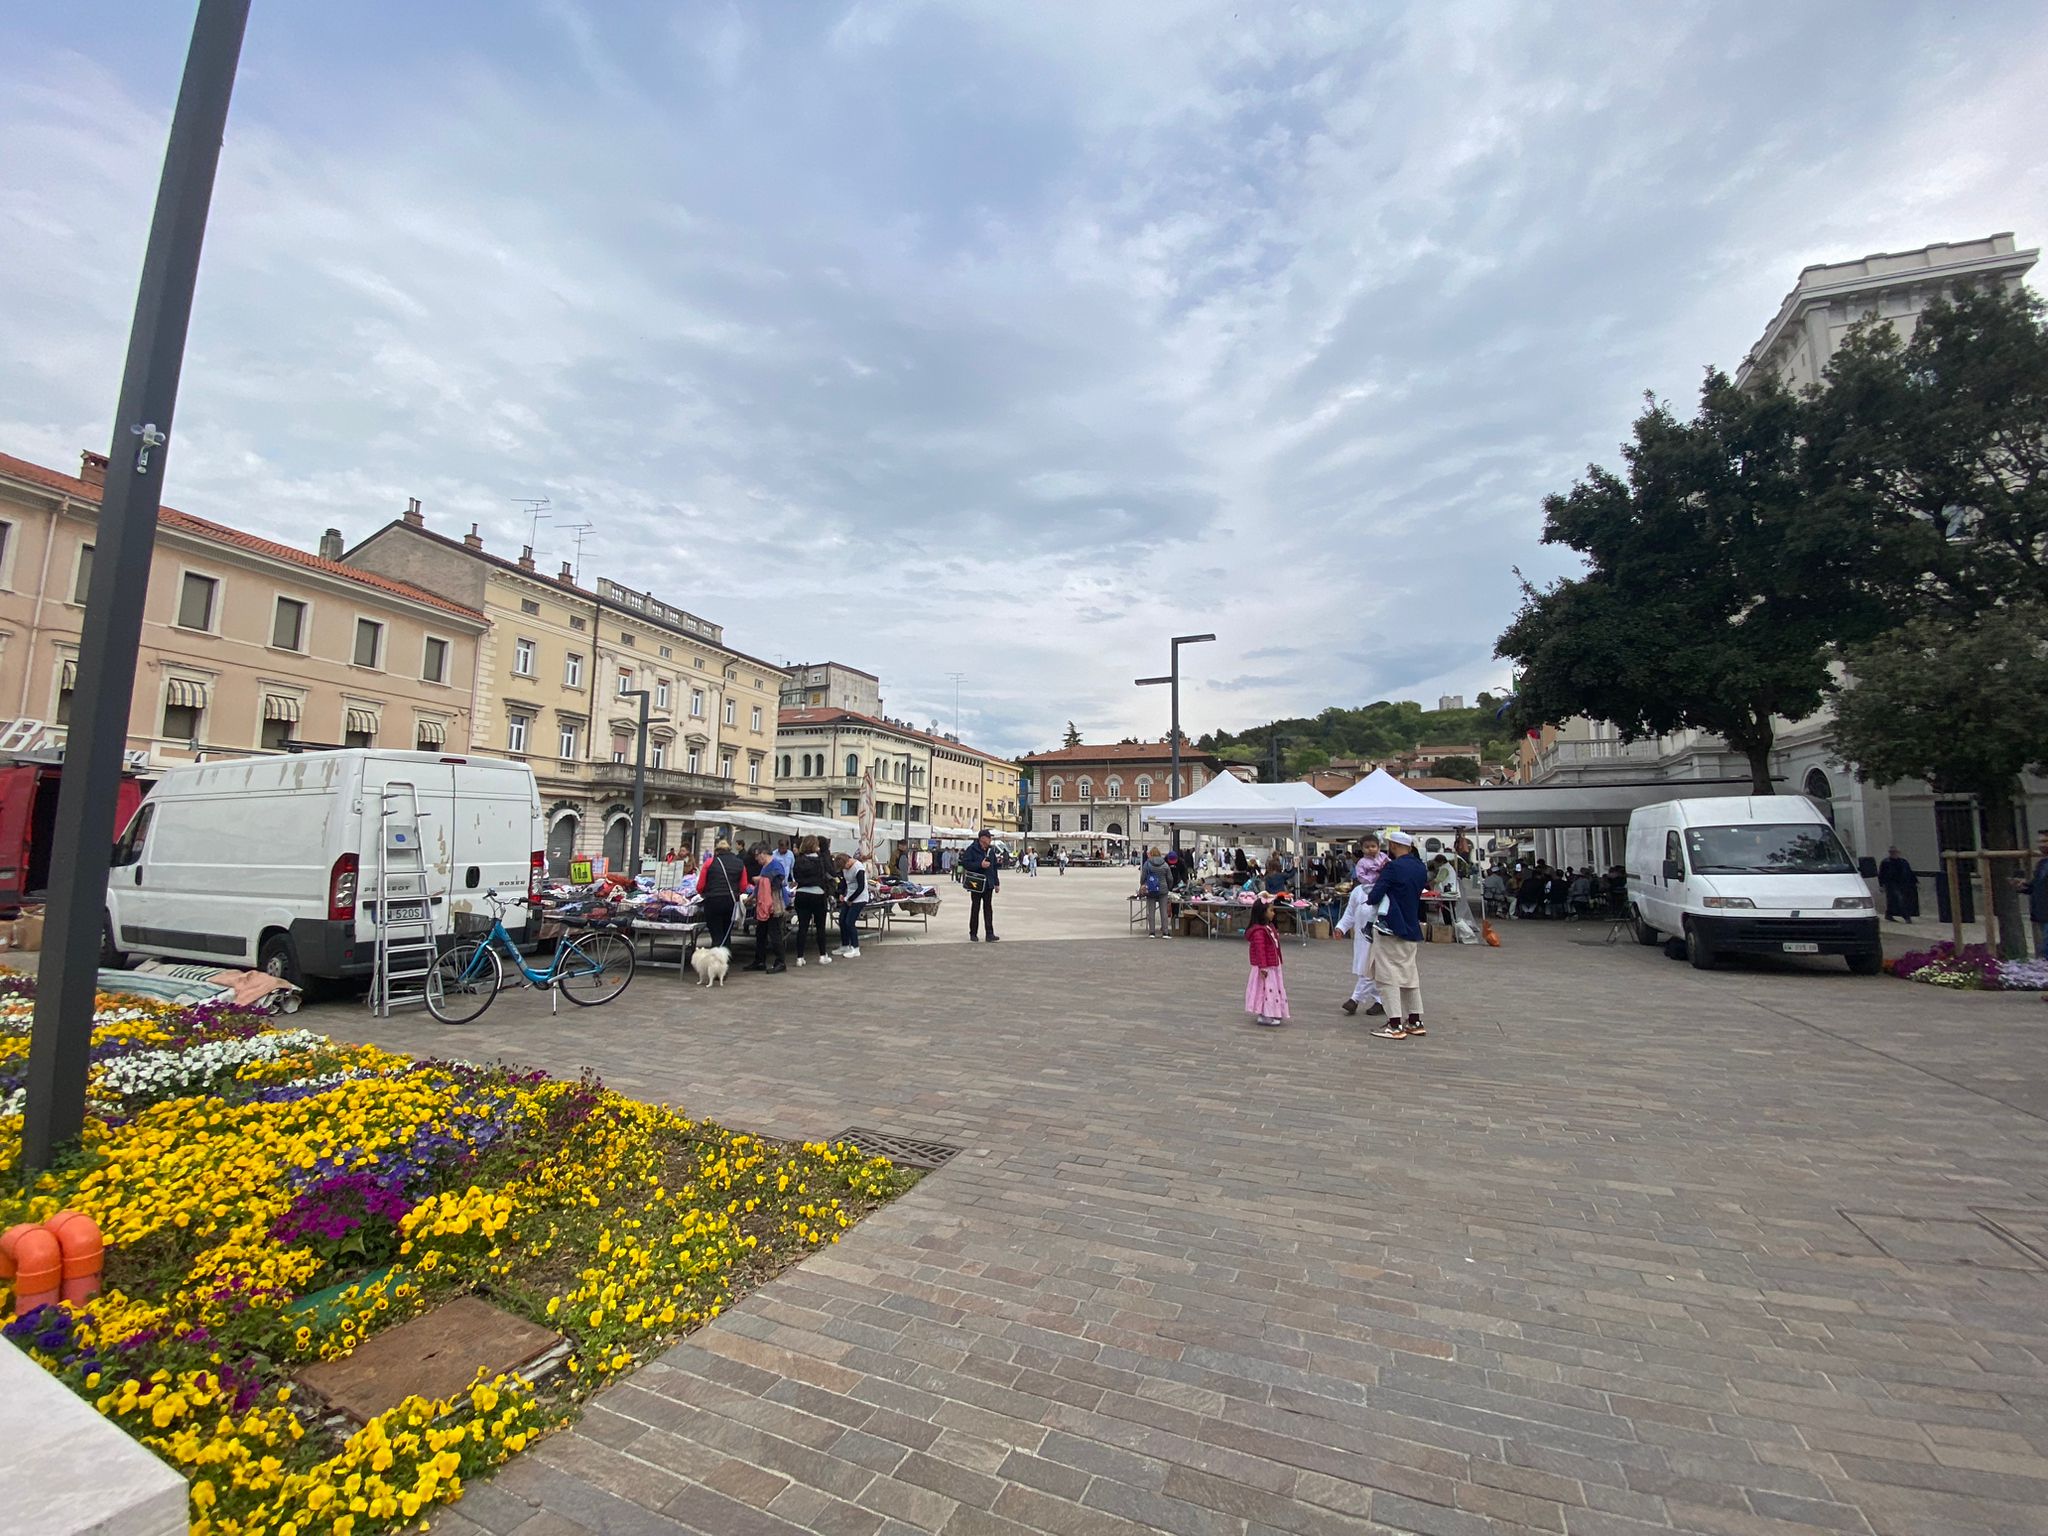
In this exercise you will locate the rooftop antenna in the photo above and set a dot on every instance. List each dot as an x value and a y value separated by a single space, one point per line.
957 679
582 532
537 511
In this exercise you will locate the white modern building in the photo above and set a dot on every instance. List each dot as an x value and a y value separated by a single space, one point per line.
1815 318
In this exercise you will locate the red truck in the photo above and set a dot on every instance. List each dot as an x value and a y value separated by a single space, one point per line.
28 818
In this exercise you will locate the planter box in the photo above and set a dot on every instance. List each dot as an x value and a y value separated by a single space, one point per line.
68 1471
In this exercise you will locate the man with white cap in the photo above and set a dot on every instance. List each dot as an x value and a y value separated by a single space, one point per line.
1394 948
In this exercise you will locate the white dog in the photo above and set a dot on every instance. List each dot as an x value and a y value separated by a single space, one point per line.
711 965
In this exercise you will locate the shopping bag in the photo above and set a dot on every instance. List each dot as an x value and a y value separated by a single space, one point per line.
1465 932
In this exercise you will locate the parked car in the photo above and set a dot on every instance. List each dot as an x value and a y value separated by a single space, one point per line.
1749 874
273 861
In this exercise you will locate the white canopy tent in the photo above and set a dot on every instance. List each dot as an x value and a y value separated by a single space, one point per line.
1381 800
781 824
1228 802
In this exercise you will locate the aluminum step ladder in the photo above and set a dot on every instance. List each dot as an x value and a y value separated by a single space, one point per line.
404 912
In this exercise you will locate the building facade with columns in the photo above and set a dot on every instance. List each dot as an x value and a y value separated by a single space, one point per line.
554 683
1826 302
249 646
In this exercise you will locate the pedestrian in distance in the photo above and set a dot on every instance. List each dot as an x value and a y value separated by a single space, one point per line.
1901 888
1395 945
1265 993
1155 878
2036 888
981 873
811 884
853 899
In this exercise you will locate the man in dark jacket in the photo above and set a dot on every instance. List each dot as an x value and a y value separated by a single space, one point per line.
2037 898
1901 887
981 873
1400 884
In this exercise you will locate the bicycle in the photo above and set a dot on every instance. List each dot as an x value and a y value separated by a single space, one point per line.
589 969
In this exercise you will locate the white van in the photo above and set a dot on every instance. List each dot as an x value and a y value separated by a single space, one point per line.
1750 875
272 861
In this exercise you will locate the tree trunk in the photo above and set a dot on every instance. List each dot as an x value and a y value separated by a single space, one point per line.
1758 751
1995 830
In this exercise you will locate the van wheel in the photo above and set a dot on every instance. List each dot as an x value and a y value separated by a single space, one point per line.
1698 950
277 955
1645 934
1868 963
111 958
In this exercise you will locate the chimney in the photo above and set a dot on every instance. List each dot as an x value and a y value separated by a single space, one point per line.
526 557
568 571
330 544
472 538
413 519
92 468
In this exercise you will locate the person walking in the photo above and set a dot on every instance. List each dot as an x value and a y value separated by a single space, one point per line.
2037 898
721 883
1155 878
981 874
771 901
1901 888
811 882
1357 921
1265 993
1399 938
853 898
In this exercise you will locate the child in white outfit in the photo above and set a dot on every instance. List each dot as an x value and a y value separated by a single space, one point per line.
1357 921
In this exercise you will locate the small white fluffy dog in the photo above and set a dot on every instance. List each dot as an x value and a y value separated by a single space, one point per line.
711 965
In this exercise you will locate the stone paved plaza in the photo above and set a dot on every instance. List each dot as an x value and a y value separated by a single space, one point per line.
1618 1247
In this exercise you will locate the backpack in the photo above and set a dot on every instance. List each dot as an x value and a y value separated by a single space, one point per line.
1152 886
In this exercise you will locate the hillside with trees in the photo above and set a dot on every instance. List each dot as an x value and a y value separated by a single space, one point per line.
1375 730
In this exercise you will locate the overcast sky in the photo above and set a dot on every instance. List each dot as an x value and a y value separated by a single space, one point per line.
1006 339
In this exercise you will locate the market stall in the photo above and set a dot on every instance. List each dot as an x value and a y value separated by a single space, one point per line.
1228 804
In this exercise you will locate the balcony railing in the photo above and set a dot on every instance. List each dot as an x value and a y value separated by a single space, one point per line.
662 781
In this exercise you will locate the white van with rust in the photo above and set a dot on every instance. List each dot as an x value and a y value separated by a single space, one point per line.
271 862
1749 875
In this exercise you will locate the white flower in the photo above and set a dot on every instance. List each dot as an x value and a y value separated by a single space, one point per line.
157 1075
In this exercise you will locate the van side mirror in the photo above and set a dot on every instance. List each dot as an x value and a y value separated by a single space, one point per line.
1673 870
1867 867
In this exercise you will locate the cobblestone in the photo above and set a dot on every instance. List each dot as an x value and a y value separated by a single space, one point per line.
1577 1262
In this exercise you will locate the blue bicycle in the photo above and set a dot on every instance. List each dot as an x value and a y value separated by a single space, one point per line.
589 969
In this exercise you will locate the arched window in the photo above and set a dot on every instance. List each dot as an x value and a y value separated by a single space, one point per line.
1087 788
807 765
1114 789
1055 789
853 765
1819 790
1144 786
785 765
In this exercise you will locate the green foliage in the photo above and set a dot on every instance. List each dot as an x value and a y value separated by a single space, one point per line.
1714 585
1372 731
1466 768
1073 737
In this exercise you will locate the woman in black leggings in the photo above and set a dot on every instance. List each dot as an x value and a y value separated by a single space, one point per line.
811 880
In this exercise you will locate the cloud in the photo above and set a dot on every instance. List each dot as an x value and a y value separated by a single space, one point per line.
1008 340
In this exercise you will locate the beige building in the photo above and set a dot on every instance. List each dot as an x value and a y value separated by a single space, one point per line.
247 645
553 681
831 685
823 753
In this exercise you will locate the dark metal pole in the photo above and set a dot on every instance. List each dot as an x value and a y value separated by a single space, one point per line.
639 784
61 1045
1174 839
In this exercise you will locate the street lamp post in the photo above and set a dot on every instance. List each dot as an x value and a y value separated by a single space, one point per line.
60 1044
1172 681
639 781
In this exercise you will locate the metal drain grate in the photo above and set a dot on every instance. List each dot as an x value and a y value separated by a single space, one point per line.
904 1151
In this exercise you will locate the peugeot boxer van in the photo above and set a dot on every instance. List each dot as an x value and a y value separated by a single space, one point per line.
1749 875
273 862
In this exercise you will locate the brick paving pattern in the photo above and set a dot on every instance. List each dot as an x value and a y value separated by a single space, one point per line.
1618 1248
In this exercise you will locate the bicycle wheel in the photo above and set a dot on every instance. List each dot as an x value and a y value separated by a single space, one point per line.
463 982
594 969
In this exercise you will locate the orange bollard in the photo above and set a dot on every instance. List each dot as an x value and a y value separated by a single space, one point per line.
36 1263
78 1239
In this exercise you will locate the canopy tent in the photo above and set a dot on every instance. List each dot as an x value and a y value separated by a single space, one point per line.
1528 807
781 824
1381 800
1228 801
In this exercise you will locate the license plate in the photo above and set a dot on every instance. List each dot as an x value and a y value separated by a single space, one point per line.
1794 948
405 912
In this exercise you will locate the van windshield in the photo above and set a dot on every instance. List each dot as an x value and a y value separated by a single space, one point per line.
1791 848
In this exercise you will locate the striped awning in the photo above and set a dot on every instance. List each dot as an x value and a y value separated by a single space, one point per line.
68 678
185 693
281 706
363 720
432 734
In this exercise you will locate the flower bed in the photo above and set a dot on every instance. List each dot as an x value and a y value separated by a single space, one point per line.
270 1198
1973 968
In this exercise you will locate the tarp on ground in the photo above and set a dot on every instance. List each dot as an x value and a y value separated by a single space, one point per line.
1381 800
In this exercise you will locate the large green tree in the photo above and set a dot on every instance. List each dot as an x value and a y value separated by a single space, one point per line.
1961 703
1714 585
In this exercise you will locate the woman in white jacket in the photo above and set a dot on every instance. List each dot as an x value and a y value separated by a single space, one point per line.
1357 921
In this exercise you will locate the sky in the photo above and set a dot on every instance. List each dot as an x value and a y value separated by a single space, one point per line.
997 339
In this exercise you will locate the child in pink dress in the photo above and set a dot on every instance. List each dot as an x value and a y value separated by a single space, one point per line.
1265 995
